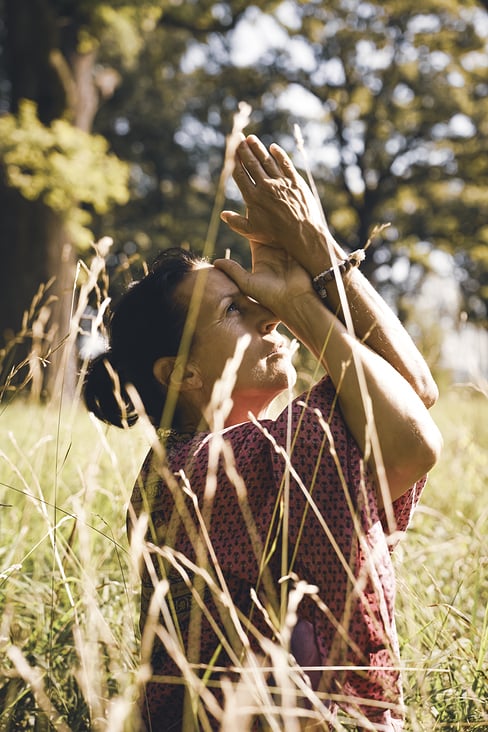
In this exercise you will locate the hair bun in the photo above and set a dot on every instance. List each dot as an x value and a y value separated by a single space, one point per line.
104 393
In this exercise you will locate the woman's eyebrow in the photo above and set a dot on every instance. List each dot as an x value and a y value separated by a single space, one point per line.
224 300
235 295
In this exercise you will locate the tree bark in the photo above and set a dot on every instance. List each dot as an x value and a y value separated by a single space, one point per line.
34 249
32 35
43 66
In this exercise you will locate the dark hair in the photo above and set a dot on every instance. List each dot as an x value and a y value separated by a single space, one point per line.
146 324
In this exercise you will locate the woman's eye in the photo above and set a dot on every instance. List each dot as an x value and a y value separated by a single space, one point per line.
233 307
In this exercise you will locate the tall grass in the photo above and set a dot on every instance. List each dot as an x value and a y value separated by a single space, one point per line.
69 588
69 644
67 585
443 576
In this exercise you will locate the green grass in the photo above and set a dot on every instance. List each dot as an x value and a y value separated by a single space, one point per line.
68 591
443 577
68 588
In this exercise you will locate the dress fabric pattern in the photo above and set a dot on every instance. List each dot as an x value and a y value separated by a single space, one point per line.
337 539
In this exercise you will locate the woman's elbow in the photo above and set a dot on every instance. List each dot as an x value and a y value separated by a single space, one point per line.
432 447
426 446
427 390
415 460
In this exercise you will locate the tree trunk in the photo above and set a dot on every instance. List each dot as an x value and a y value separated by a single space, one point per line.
45 67
32 36
34 250
61 258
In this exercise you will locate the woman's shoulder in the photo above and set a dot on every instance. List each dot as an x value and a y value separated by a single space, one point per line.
321 397
313 412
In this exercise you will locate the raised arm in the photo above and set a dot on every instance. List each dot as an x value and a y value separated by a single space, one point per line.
376 383
281 211
380 408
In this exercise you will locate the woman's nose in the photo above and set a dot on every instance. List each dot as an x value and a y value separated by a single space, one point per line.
267 321
264 319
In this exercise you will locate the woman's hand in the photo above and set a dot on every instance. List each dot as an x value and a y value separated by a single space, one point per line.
284 218
281 208
276 281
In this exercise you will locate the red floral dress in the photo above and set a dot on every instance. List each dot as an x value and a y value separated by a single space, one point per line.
237 511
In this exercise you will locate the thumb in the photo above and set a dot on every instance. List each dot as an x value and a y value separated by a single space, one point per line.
236 222
237 274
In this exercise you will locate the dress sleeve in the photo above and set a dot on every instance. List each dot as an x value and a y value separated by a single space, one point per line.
403 510
322 399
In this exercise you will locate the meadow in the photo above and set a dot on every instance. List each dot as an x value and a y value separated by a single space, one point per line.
69 644
70 647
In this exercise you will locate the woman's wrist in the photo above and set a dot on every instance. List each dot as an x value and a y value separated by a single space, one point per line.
301 313
312 247
324 280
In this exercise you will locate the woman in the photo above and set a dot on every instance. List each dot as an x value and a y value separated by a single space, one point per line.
242 509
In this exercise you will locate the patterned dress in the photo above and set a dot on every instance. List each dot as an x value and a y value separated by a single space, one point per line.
232 514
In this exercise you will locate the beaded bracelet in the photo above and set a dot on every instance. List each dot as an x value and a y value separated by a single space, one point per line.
320 281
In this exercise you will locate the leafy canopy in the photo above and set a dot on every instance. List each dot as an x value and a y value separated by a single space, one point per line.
63 166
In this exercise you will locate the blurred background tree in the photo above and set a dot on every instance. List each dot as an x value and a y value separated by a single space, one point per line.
392 100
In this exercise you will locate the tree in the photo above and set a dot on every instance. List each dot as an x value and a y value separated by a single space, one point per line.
61 59
396 129
52 171
405 103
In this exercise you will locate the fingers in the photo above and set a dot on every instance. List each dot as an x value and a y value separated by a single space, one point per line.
241 225
253 159
236 222
256 166
236 273
274 162
284 161
266 160
256 161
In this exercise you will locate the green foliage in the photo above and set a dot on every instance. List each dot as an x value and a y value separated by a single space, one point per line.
69 646
404 111
63 166
392 101
398 132
60 483
118 30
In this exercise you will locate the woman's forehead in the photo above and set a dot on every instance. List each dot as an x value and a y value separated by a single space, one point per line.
208 284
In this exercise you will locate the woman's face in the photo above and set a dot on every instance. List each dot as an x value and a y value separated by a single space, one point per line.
224 316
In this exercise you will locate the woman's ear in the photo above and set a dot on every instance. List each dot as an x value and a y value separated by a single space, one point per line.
163 368
169 370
